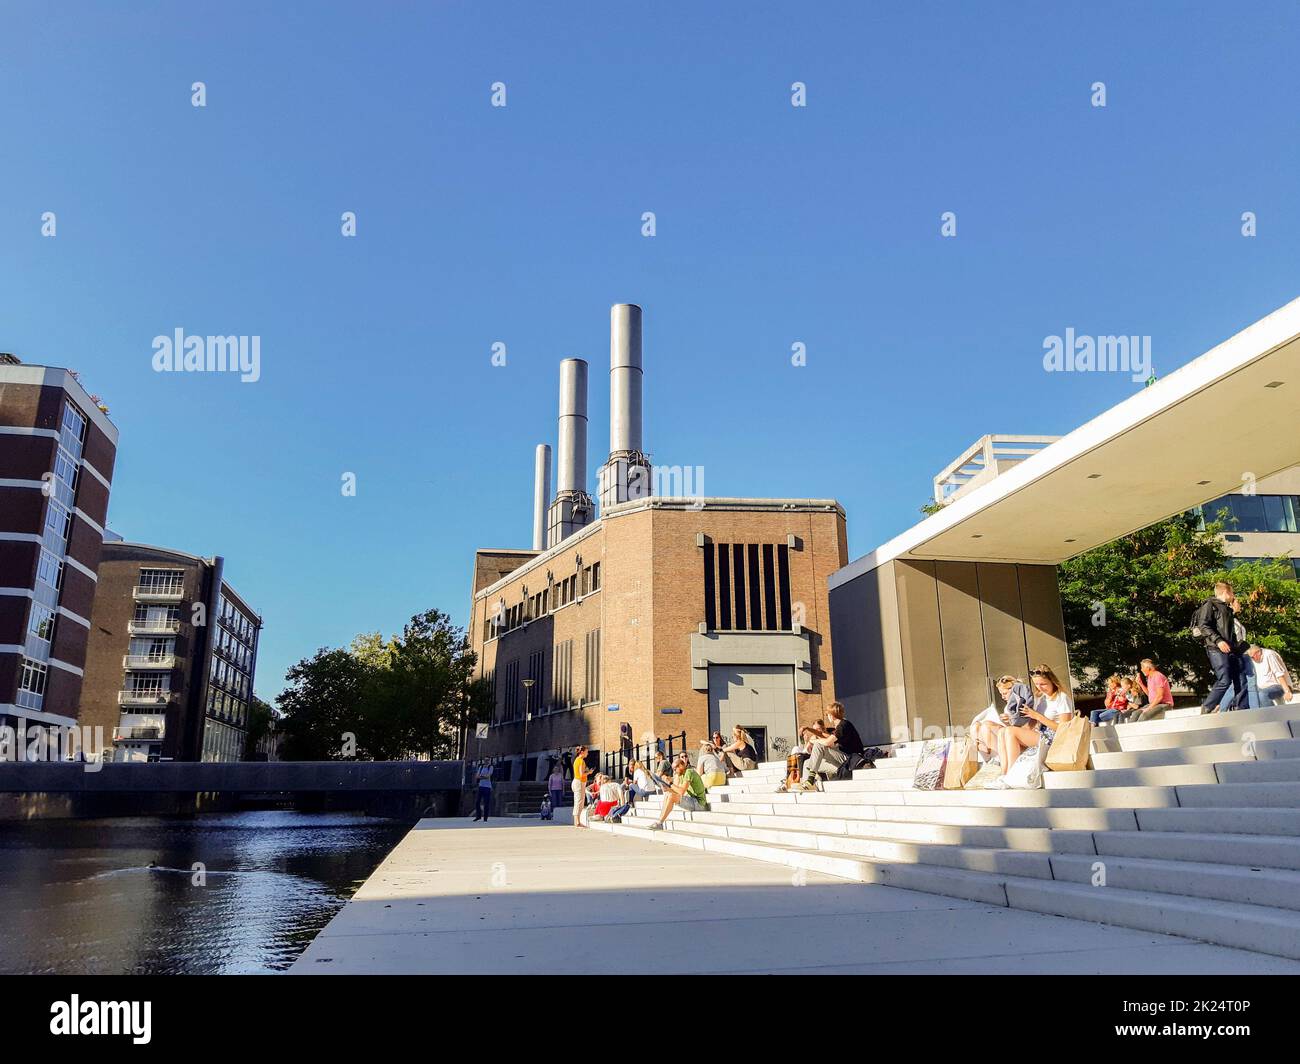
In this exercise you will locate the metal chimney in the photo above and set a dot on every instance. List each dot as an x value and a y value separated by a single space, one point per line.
571 509
625 377
626 473
541 494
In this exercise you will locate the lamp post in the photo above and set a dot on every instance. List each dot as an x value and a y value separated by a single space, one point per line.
528 712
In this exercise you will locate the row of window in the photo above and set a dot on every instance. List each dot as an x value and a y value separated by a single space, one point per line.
747 587
511 704
1293 562
234 620
162 581
561 593
222 705
221 742
225 675
1255 513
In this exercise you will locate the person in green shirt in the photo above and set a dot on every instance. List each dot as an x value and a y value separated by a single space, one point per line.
687 791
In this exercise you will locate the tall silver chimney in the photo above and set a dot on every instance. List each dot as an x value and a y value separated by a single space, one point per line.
571 509
626 473
541 493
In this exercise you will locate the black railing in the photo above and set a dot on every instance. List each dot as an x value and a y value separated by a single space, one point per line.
616 761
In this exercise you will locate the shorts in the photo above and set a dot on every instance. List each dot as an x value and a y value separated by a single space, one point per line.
690 804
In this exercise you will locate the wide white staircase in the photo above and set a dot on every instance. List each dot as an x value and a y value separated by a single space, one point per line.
1188 826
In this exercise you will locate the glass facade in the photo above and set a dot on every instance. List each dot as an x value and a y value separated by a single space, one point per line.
1254 513
230 683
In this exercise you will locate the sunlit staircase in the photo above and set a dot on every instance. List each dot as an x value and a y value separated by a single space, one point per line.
1188 826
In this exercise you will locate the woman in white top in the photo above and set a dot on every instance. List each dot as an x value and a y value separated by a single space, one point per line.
1051 709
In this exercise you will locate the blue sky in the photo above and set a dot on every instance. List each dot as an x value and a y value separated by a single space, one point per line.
522 224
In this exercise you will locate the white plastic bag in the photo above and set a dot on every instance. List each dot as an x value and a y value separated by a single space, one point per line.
1027 772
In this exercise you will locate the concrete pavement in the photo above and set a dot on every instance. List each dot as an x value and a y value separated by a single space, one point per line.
527 897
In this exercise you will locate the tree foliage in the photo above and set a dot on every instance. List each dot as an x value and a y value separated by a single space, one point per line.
383 699
1134 598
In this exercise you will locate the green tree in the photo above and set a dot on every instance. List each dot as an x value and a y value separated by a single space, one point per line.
260 716
1134 598
383 699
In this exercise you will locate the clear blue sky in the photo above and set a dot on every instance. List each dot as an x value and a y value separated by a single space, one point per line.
522 225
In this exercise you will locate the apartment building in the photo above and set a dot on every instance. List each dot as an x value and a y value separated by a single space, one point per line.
1262 519
57 451
171 658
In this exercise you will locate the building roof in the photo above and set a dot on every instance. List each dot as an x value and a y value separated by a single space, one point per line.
58 377
1192 436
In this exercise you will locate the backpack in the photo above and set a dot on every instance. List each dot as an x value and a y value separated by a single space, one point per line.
1201 620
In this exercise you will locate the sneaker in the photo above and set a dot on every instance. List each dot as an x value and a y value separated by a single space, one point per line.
808 785
656 826
614 820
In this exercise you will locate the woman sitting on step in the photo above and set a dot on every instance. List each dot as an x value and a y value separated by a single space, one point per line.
1049 712
986 726
740 754
710 766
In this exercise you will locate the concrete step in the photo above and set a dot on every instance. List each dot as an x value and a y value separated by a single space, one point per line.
1247 885
1231 732
1247 717
1074 819
1260 851
1265 929
1212 753
1221 821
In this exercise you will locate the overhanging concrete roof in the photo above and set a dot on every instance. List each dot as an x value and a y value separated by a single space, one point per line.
1190 437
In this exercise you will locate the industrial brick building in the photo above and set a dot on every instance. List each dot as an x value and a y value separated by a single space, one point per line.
171 657
665 614
57 450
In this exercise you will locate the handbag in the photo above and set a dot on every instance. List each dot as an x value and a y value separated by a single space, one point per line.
1026 774
930 766
1071 746
963 763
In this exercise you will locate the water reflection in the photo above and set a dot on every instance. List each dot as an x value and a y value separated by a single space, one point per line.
125 895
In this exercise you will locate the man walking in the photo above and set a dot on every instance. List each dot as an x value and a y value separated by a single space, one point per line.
1214 626
483 800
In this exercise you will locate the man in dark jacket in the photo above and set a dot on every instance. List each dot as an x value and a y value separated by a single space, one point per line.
1222 648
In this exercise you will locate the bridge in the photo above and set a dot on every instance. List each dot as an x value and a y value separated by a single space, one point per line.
239 777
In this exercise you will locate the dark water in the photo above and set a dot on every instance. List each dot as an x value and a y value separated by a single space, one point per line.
79 897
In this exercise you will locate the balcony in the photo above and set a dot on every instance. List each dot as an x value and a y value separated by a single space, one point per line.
143 698
153 627
139 733
157 593
149 661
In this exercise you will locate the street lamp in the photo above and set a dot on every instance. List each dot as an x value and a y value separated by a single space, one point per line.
528 712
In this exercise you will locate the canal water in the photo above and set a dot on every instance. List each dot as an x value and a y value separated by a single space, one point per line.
216 893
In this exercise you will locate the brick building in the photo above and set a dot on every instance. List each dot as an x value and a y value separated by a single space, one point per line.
664 614
57 450
171 657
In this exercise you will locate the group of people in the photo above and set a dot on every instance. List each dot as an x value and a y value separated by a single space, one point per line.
1030 715
1246 675
1129 699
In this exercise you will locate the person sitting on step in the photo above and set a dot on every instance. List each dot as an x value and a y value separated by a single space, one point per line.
830 752
687 791
740 754
710 766
1051 710
641 787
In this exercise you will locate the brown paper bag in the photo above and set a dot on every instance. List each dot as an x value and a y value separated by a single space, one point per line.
963 763
1071 746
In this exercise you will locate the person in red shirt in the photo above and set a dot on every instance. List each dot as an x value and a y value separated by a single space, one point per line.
1156 687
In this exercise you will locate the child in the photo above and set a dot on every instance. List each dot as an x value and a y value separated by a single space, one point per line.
547 810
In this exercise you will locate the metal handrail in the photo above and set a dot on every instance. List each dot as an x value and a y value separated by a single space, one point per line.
616 761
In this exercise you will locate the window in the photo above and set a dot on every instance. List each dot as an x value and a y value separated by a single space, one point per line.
562 675
536 671
41 622
162 580
1255 513
510 707
31 684
58 521
783 584
769 587
724 586
72 433
593 666
50 569
740 594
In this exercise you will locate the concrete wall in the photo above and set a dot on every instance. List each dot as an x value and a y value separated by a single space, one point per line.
920 642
